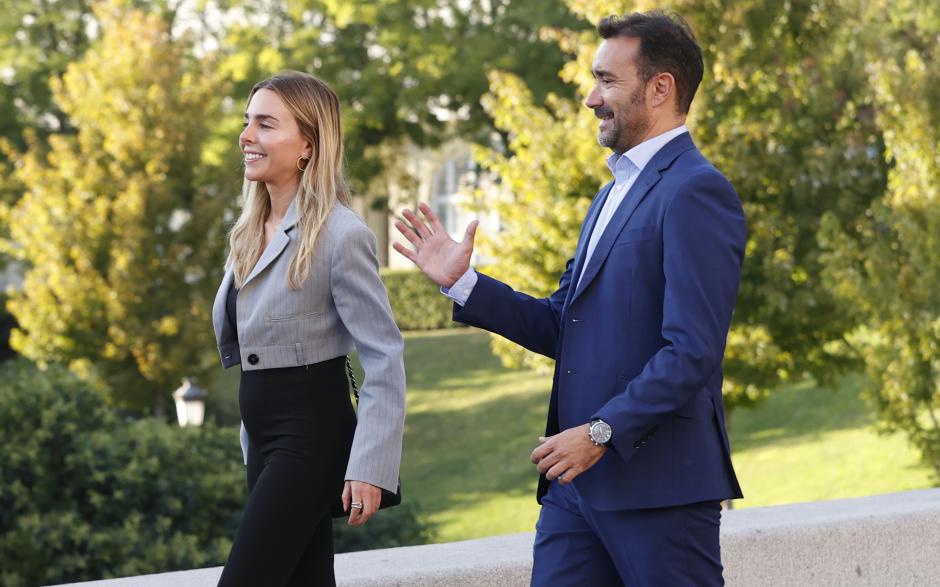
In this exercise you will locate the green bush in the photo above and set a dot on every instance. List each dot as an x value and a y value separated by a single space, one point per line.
86 494
417 301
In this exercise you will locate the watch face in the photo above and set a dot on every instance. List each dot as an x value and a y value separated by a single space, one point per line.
600 432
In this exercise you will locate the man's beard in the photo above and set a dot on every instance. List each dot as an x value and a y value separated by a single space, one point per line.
633 117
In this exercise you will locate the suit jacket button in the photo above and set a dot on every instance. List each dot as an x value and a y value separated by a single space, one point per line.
253 359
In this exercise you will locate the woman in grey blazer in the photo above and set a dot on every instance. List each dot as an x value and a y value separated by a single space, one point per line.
301 290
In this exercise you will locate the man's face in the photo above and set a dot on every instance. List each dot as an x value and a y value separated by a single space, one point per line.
619 95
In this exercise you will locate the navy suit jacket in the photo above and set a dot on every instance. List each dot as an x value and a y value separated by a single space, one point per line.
639 342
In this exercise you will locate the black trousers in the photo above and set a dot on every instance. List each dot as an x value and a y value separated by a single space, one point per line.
300 423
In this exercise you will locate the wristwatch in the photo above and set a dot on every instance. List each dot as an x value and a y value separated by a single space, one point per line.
600 432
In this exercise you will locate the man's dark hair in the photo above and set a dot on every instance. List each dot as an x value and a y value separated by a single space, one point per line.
667 45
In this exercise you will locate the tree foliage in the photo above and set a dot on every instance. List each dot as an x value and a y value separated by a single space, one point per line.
40 40
786 113
885 266
405 70
119 224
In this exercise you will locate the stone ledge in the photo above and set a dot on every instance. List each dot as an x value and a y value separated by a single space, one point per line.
891 539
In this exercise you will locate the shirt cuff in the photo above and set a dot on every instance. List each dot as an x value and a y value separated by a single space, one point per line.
462 288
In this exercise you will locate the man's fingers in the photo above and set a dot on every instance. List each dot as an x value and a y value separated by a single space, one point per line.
547 462
568 476
431 216
408 233
417 224
557 470
541 452
471 232
542 449
406 252
346 496
538 454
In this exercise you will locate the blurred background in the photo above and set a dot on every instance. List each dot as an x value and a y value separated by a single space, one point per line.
121 176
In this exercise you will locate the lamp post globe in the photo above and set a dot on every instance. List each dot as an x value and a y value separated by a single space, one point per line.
190 404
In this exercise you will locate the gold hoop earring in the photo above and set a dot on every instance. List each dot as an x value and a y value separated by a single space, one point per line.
302 158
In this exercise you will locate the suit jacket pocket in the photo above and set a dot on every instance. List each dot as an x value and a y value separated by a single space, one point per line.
297 316
636 235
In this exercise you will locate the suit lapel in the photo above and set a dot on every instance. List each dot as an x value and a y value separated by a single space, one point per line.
588 228
278 243
648 178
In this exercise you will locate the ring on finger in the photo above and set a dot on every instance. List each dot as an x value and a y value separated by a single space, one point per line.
356 505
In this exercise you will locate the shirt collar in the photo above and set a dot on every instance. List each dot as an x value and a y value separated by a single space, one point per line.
622 165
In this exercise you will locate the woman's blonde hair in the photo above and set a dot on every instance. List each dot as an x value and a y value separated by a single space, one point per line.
316 108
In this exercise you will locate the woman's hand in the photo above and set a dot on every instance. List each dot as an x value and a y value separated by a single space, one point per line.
361 500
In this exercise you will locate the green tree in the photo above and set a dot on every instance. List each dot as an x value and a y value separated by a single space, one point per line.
120 224
37 41
885 266
405 70
783 111
786 112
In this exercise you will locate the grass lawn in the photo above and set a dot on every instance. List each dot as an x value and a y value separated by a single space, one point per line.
472 424
470 428
807 444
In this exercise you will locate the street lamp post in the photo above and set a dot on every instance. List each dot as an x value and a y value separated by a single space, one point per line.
190 404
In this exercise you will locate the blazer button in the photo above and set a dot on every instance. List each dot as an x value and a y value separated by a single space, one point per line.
253 359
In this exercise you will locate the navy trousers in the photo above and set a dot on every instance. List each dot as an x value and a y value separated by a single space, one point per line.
670 547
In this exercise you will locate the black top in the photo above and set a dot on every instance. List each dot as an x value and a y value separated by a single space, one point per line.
230 309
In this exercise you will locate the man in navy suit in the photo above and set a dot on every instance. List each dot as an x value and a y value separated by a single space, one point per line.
635 459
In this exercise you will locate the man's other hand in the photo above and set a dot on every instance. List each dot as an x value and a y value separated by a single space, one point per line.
567 454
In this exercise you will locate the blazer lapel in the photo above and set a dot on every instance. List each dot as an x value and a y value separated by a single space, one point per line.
588 228
648 178
278 243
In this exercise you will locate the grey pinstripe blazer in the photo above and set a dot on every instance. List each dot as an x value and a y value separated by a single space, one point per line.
342 304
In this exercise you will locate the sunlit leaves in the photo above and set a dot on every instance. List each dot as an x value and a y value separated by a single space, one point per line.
117 225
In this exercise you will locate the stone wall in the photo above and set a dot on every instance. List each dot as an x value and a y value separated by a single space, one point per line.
891 539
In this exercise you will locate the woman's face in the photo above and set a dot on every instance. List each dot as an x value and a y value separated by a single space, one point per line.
271 141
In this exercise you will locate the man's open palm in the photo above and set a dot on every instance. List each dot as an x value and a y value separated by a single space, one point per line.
441 258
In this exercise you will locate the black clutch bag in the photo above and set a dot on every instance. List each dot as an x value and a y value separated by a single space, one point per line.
389 498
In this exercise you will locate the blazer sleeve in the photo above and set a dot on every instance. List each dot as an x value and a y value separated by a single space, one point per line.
527 321
362 303
704 236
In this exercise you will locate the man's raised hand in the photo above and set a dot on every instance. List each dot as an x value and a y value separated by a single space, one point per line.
440 257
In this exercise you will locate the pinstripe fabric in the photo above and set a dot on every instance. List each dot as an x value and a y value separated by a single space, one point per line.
343 305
